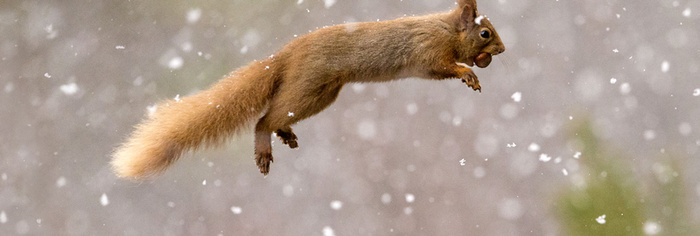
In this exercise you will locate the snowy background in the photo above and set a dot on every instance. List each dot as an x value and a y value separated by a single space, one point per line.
406 157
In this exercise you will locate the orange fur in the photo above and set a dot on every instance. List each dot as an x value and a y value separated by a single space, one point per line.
304 78
205 118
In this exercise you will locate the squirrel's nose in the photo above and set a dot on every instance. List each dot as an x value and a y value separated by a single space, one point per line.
501 49
497 48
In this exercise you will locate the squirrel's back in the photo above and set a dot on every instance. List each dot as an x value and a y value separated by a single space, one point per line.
374 51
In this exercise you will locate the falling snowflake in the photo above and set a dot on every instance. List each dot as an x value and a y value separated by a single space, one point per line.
625 88
104 200
386 198
651 228
410 198
665 66
462 162
577 155
69 89
329 3
685 129
533 147
478 19
649 135
545 158
328 231
517 96
600 219
336 205
687 12
408 210
236 210
61 181
175 63
193 15
152 109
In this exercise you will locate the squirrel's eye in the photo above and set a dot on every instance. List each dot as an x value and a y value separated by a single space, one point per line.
485 34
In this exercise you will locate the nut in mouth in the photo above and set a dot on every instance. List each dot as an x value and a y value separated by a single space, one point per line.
483 60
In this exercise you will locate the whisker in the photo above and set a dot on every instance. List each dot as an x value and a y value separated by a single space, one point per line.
505 61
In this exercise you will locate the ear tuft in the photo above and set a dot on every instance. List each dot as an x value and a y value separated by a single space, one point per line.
463 3
467 16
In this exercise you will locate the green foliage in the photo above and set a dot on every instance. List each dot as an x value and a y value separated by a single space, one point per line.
669 203
611 189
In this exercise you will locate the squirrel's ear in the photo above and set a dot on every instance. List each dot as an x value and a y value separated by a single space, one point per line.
463 3
468 14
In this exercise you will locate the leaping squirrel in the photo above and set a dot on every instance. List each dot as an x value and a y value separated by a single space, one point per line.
304 78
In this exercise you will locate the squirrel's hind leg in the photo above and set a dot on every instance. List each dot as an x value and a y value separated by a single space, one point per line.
263 148
263 144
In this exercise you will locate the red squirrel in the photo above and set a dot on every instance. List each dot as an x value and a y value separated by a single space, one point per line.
304 78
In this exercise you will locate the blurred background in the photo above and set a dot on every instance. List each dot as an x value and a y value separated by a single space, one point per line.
588 124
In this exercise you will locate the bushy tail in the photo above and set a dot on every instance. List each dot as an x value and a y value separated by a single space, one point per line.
204 119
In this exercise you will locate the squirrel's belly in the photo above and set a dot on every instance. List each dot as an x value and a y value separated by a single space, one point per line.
391 75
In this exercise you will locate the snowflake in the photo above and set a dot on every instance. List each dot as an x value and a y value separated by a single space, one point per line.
600 219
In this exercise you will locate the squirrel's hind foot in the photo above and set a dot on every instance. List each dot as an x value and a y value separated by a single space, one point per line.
263 160
288 137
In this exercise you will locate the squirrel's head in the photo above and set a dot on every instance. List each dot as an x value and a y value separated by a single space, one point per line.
479 40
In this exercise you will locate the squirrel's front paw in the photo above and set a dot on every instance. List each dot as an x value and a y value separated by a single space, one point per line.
471 80
263 160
